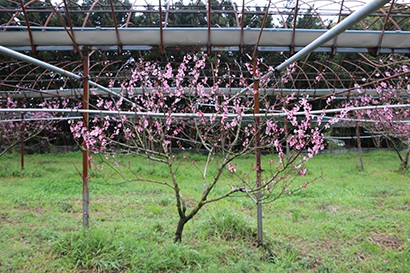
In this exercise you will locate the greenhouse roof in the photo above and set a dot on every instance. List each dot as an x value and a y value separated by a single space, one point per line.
58 31
57 38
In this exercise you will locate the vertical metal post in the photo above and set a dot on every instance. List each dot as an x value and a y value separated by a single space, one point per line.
86 153
208 15
161 47
257 149
242 26
286 136
295 20
22 129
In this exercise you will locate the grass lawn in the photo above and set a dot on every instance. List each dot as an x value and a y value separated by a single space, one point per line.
347 221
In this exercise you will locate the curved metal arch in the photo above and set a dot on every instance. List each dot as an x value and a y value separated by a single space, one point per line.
280 14
300 71
310 80
106 66
14 72
64 66
385 62
130 12
383 74
89 13
294 80
344 4
94 5
398 7
343 69
311 7
335 74
29 73
41 76
4 65
278 5
48 20
322 73
17 13
358 67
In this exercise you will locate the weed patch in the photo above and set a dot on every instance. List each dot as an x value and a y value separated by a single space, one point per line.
227 225
347 221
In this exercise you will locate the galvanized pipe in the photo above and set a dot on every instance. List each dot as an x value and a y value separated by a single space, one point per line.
39 119
353 18
327 36
195 115
19 56
86 152
22 131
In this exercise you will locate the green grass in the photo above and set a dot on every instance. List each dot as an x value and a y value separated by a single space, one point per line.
347 221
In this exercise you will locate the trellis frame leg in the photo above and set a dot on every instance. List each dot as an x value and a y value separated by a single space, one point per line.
257 150
22 150
86 152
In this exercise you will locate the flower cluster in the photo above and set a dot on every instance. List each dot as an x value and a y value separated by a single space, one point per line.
179 106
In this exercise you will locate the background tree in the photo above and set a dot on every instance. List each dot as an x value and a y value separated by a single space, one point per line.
392 123
35 128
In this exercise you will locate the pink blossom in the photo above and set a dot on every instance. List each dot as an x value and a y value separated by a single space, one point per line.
231 167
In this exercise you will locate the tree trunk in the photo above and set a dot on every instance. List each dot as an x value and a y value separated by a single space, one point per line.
359 146
405 161
180 229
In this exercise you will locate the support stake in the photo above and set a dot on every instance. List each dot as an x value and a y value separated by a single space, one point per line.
86 152
257 149
22 129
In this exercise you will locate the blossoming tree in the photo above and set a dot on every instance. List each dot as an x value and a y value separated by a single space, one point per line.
392 123
180 107
22 127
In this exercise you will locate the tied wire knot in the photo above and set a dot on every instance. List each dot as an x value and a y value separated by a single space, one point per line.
82 77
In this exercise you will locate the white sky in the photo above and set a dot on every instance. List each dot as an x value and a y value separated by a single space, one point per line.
327 8
250 2
316 3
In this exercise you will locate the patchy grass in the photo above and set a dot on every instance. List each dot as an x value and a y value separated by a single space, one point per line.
347 221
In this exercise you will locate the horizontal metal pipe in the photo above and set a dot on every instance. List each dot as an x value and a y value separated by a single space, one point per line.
39 119
368 120
221 90
353 137
196 115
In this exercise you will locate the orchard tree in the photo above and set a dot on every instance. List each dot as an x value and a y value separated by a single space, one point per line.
25 126
180 107
392 123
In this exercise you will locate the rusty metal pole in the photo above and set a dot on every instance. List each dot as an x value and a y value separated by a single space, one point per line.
286 136
208 15
22 129
161 34
257 149
86 152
